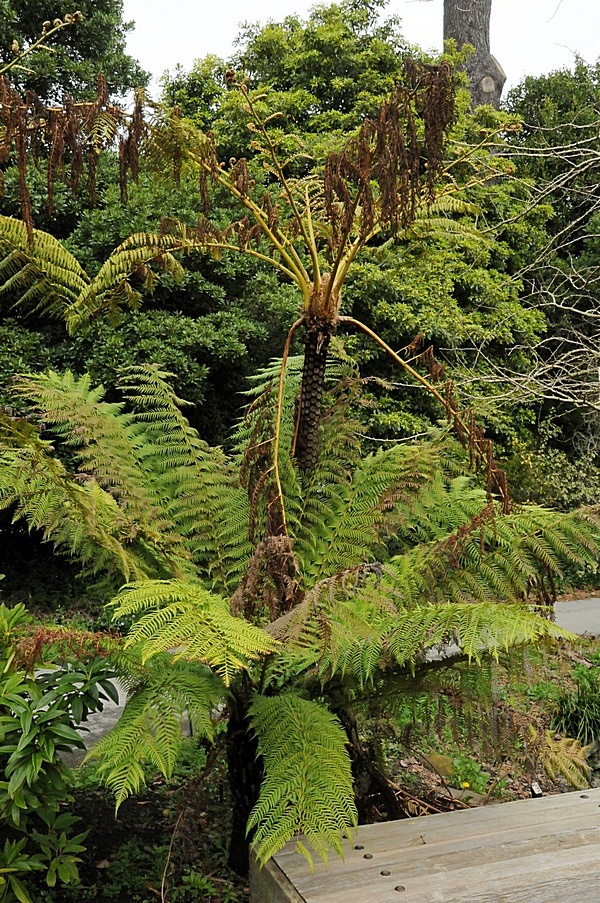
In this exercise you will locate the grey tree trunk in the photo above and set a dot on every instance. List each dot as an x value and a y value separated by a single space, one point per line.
468 22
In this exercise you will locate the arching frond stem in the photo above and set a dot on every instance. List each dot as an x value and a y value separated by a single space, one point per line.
225 246
463 429
310 245
312 242
286 249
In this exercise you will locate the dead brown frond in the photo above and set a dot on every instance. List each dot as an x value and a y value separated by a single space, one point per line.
75 134
377 179
35 645
271 581
452 548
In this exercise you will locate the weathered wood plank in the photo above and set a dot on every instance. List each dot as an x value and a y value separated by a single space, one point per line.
451 856
471 822
456 829
459 876
270 885
530 851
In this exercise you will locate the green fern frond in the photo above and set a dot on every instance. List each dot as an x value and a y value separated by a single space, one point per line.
202 492
196 623
452 203
149 730
491 556
345 523
102 436
131 262
477 629
109 446
307 787
79 518
102 130
43 271
565 757
355 630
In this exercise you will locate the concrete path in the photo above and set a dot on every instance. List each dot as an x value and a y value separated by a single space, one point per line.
97 725
579 615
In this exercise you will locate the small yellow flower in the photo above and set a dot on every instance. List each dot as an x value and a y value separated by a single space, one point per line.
465 784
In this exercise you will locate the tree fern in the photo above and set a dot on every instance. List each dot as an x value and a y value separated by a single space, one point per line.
388 559
307 787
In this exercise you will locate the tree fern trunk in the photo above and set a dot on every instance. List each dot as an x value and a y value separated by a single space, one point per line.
375 798
316 346
245 775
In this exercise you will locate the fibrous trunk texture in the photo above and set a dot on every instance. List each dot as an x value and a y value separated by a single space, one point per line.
468 22
311 396
245 775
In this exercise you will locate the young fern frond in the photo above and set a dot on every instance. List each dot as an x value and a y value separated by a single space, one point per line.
149 730
307 788
565 758
173 615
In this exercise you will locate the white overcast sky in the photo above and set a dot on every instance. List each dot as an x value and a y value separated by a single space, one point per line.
528 37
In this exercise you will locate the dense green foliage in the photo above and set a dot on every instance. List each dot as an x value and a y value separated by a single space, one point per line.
38 717
556 151
78 55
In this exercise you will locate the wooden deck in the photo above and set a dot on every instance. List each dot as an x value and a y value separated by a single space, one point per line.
531 851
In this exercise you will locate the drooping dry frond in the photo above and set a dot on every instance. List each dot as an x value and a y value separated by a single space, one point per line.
75 134
377 179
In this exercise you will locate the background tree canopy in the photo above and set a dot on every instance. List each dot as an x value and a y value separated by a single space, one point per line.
460 278
77 55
